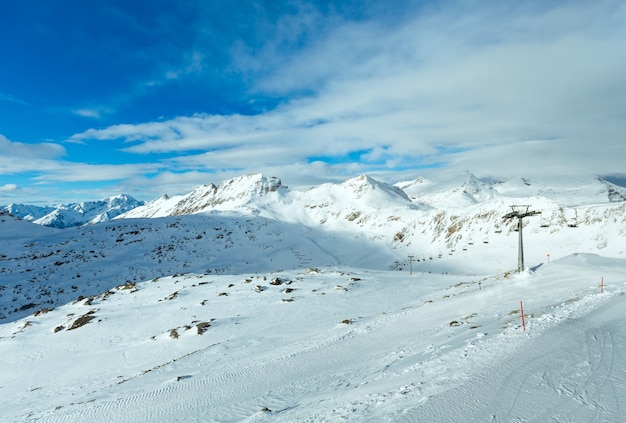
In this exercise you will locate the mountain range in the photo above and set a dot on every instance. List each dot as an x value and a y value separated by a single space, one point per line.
258 192
75 214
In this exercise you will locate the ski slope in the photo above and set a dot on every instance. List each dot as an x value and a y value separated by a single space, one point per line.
330 344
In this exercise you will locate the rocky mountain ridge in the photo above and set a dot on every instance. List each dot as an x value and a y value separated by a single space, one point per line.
75 214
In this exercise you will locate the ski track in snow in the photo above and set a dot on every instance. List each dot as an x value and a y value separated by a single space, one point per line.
546 377
295 374
510 370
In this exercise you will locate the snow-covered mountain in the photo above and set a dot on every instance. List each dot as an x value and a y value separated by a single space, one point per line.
231 194
75 214
435 218
28 212
467 189
462 191
250 301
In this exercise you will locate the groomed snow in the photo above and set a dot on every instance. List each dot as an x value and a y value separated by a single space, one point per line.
330 344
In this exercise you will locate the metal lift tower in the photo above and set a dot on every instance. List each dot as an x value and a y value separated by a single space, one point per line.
520 212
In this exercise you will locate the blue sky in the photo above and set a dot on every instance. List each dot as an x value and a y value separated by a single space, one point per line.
154 97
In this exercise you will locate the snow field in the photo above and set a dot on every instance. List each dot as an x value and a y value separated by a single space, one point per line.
347 344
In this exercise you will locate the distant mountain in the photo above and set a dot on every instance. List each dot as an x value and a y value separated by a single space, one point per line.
564 190
449 214
28 212
462 191
354 205
614 192
236 193
467 189
75 214
346 206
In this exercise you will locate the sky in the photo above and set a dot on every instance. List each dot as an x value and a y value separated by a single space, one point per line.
160 96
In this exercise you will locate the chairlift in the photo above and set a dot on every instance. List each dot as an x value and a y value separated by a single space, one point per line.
486 240
544 222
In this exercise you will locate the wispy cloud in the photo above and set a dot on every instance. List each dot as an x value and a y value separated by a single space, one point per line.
12 99
93 112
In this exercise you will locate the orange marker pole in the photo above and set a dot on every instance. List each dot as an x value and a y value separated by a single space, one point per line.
521 306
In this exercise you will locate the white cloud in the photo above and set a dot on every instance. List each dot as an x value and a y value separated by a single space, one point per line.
10 150
499 88
89 112
8 187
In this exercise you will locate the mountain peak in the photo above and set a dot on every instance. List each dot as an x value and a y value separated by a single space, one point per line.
615 193
229 194
254 184
363 184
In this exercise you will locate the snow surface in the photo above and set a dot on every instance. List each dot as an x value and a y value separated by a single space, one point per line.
255 314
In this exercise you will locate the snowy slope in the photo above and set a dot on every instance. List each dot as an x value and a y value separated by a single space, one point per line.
43 267
249 301
330 344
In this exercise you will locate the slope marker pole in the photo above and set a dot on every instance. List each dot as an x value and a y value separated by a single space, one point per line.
602 286
521 306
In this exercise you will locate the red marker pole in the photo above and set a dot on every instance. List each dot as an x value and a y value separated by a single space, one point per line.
602 285
521 306
548 258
